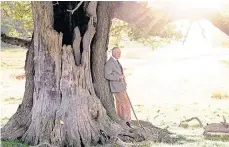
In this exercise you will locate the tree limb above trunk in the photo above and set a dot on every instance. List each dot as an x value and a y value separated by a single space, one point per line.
220 21
155 18
78 5
133 13
15 41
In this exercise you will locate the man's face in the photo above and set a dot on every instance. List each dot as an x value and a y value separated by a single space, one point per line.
117 53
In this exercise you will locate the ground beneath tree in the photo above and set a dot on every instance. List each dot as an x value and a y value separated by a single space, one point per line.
165 86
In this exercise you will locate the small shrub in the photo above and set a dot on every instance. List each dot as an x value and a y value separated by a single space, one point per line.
12 100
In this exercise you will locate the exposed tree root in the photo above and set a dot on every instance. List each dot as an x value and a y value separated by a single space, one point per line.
137 136
43 144
188 120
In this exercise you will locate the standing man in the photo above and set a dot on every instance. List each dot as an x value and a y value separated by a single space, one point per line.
114 73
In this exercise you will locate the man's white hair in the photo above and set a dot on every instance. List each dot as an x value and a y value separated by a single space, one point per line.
114 49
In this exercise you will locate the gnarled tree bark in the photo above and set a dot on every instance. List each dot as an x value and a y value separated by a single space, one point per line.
99 49
65 104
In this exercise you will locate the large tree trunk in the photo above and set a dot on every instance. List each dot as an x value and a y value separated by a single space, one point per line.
65 104
62 98
62 105
99 49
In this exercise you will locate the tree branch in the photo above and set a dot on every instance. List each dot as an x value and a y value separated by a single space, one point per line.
187 32
163 13
220 21
196 118
79 4
57 3
15 41
133 13
203 32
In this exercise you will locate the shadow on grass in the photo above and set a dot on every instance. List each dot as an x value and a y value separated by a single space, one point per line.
183 140
223 138
188 126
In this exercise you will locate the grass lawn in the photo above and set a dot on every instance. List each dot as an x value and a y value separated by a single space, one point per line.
160 114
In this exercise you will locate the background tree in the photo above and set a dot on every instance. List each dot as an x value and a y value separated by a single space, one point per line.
120 29
16 19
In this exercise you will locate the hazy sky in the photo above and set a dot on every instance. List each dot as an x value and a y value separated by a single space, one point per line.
189 3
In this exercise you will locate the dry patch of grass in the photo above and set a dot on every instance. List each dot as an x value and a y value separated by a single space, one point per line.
12 74
20 76
12 100
220 95
12 83
13 58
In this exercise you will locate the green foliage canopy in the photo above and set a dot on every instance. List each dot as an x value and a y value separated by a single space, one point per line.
120 29
16 18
